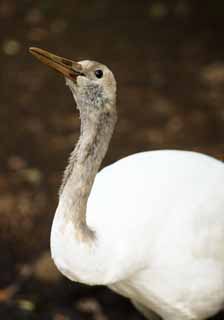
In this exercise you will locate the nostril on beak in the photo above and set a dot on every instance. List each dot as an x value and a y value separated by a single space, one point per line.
67 62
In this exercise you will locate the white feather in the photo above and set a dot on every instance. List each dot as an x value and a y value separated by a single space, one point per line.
159 221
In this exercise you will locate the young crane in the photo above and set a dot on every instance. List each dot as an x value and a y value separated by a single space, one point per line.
150 226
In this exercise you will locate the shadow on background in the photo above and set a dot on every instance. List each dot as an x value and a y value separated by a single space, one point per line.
168 58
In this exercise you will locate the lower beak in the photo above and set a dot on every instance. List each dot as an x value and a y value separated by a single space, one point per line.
70 69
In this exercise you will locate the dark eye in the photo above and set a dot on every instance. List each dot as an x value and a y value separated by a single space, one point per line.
99 73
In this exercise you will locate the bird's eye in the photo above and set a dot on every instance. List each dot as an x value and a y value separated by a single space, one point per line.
99 73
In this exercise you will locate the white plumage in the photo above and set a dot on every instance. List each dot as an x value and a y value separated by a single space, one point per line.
150 226
159 217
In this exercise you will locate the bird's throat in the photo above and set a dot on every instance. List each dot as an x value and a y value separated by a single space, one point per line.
84 163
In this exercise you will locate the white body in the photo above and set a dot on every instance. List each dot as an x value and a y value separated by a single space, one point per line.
159 222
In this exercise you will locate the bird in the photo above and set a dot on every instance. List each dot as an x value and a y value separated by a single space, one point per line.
149 226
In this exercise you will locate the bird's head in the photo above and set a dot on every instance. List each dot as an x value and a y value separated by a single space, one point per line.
93 84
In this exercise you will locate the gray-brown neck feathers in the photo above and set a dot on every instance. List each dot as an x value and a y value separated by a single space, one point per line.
84 163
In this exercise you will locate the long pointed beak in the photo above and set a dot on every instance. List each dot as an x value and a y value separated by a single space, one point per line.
70 69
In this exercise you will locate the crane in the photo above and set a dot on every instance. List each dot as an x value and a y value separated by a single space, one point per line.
151 225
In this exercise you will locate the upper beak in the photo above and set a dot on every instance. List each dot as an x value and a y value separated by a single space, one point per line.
70 69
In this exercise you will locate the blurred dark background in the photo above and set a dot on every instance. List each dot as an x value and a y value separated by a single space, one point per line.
168 58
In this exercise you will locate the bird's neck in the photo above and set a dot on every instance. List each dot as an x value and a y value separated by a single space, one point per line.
84 163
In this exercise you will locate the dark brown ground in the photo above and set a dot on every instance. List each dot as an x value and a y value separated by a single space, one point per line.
168 57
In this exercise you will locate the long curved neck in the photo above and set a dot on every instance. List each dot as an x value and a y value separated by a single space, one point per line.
84 163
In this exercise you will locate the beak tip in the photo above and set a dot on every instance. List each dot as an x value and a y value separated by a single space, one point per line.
31 50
